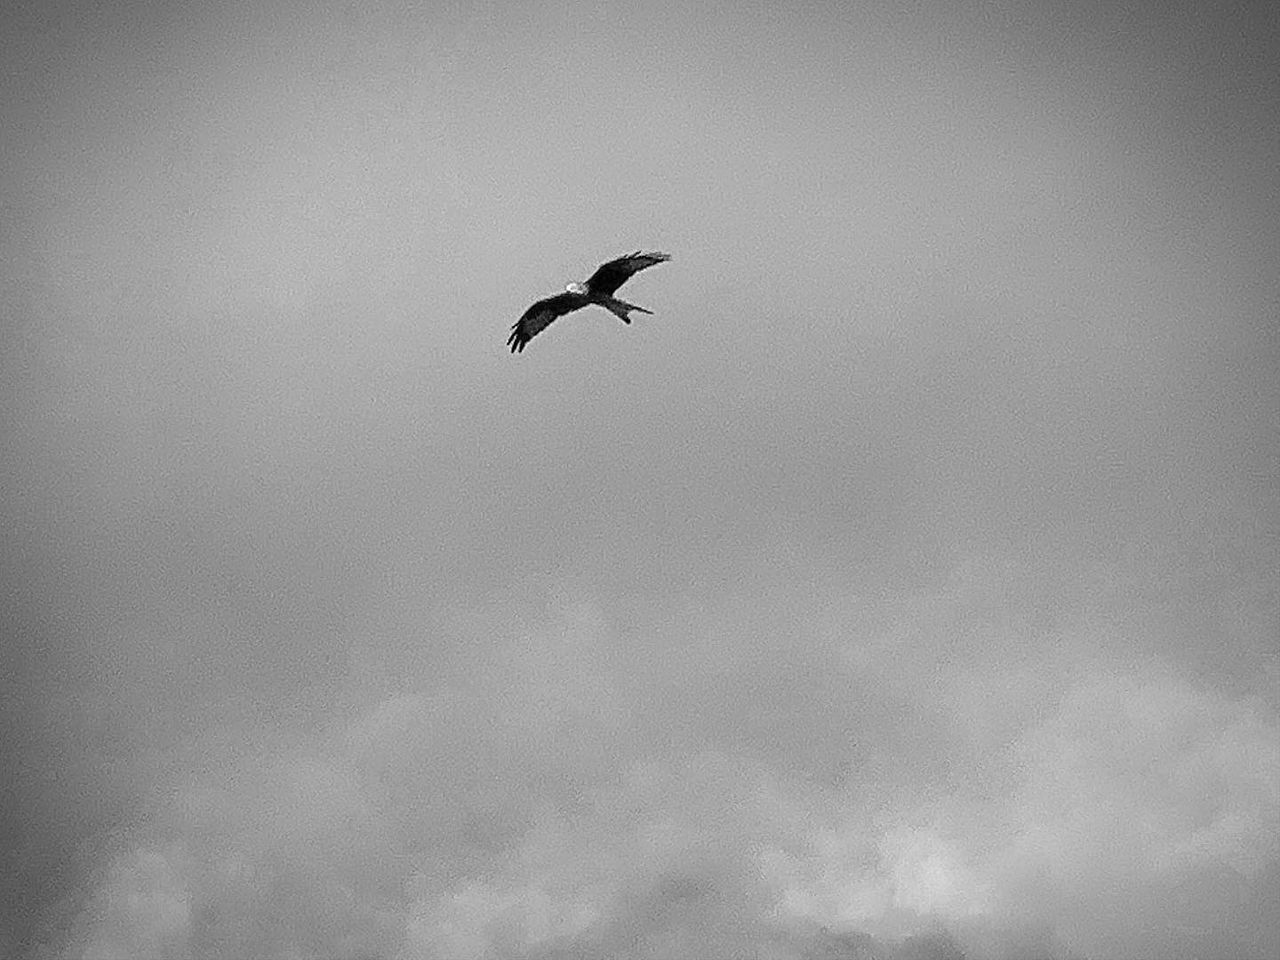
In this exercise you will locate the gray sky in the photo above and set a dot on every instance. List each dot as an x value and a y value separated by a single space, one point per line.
909 581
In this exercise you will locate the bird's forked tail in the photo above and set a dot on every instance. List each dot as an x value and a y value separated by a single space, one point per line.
620 308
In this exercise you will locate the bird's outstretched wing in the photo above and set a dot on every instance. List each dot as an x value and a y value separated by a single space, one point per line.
538 317
610 276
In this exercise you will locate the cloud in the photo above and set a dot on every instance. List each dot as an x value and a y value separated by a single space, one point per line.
1136 788
141 910
436 828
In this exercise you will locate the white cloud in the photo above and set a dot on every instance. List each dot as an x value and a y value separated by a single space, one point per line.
142 910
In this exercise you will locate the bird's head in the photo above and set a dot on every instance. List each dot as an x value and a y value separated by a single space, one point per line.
578 288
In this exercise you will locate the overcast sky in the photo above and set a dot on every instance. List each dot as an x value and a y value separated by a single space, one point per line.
908 585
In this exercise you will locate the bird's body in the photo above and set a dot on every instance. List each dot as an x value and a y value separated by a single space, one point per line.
598 289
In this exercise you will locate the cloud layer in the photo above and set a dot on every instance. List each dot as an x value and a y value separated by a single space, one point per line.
531 809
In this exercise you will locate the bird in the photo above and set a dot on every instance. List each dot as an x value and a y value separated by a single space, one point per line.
599 289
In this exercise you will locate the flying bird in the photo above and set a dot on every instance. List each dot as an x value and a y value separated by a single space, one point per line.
599 289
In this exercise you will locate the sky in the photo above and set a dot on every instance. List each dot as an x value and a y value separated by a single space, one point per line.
906 587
